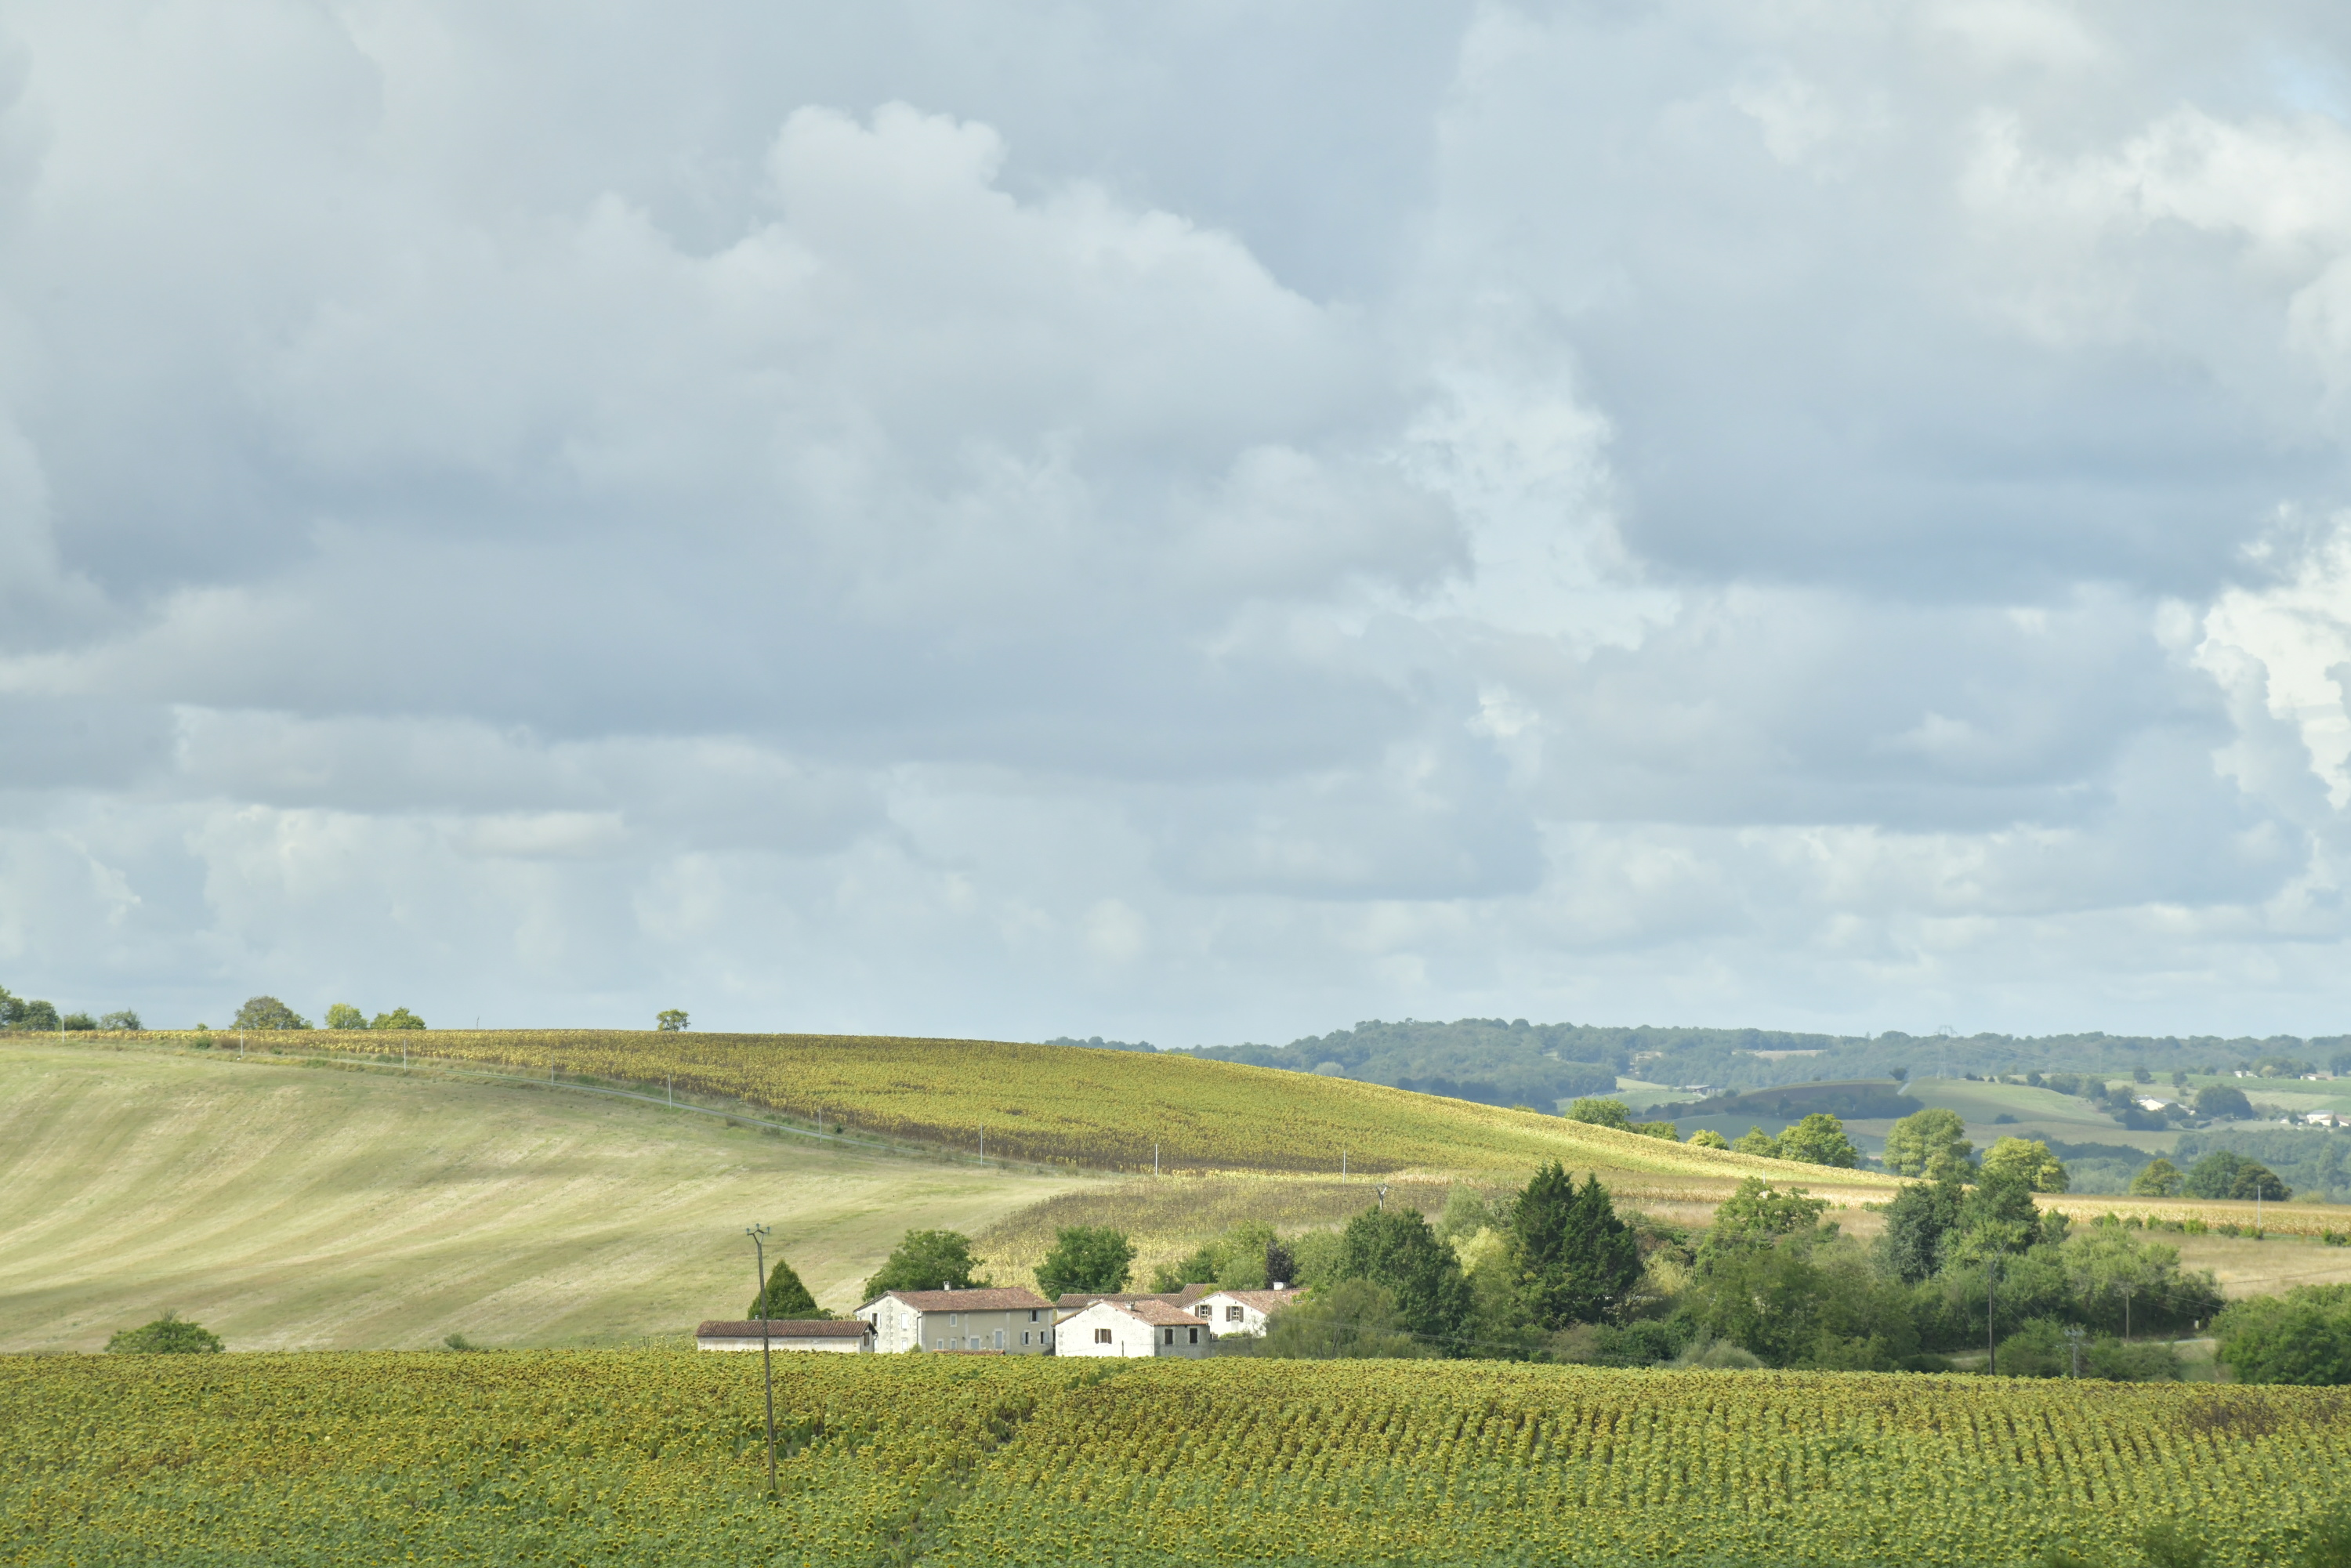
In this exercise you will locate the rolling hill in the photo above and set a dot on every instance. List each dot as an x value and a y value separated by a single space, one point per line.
293 1208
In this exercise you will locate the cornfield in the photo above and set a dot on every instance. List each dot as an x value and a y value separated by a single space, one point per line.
1056 1104
657 1457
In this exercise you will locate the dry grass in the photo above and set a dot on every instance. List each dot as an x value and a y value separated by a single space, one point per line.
293 1208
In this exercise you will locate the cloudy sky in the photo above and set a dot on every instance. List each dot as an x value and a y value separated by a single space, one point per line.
1202 522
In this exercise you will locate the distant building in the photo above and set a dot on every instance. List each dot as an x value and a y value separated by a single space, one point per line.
1014 1321
1241 1311
1148 1327
1075 1300
844 1335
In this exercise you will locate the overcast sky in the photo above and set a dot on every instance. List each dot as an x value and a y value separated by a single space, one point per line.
1199 523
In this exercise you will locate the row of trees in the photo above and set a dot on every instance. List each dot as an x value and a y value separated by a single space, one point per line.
269 1013
31 1015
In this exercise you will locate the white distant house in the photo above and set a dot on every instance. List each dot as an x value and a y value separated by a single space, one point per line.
1013 1320
1241 1311
844 1335
2327 1118
2148 1103
1145 1326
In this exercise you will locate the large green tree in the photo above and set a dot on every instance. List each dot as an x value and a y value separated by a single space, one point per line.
1819 1140
2029 1161
267 1012
2302 1336
1355 1318
1932 1142
1576 1260
927 1260
1092 1259
1395 1249
785 1297
2226 1174
1921 1215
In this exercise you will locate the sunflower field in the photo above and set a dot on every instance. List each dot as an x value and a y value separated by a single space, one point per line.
657 1457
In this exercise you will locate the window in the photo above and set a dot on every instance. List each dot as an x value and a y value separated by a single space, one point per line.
1032 1314
1205 1309
1171 1337
1196 1335
1101 1336
1024 1336
999 1339
1232 1314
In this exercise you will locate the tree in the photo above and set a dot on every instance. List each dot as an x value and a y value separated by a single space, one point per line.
265 1013
927 1260
2223 1103
2302 1336
77 1023
35 1014
670 1021
1708 1138
1600 1113
2124 1285
1932 1142
123 1022
1395 1249
1997 1216
1819 1140
1094 1260
1911 1247
784 1297
1759 1213
1355 1318
2226 1174
2028 1160
167 1335
2161 1178
1755 1141
342 1015
398 1017
1576 1260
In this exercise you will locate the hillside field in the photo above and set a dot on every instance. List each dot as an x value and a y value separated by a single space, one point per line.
1097 1109
288 1207
656 1457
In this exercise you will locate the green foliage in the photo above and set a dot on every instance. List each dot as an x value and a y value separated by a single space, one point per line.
398 1017
167 1335
2223 1103
37 1015
2161 1178
1395 1249
2121 1284
1600 1113
343 1015
1922 1214
2025 1160
1248 1257
1575 1260
1708 1138
1758 1213
670 1021
1466 1213
2169 1544
1819 1140
1354 1318
1932 1142
1806 1298
1094 1260
784 1297
1755 1141
2226 1174
2302 1336
125 1021
2042 1348
927 1260
268 1013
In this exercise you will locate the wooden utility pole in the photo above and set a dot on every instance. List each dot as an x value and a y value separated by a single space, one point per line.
766 1367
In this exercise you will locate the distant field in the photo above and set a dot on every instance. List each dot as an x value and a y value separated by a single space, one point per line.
1100 1110
288 1207
655 1456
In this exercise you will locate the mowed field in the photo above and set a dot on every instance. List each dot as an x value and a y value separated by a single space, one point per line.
1096 1110
656 1457
287 1206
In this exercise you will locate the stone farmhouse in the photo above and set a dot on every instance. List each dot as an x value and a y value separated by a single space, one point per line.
1014 1322
1241 1311
1148 1327
850 1336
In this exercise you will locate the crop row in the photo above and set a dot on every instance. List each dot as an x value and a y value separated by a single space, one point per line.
657 1457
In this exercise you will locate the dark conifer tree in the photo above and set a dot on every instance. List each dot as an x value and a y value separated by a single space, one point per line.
1576 1260
785 1296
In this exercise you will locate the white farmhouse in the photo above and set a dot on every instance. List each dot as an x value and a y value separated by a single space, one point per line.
845 1335
1014 1321
1144 1327
1241 1311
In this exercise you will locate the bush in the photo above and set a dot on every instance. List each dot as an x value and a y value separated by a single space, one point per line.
125 1022
2302 1336
1355 1318
342 1015
398 1017
265 1013
1601 1112
167 1335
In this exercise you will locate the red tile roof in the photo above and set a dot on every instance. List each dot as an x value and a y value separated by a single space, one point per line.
1263 1301
787 1328
1164 1314
1071 1299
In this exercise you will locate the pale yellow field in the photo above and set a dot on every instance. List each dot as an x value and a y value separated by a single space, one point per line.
296 1207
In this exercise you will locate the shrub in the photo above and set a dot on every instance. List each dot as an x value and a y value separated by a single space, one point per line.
2302 1336
398 1017
167 1335
1708 1138
1601 1112
1356 1318
125 1022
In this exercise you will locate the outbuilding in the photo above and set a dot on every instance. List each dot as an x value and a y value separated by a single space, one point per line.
1242 1312
851 1336
1145 1327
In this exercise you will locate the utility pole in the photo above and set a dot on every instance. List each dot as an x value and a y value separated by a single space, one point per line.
2073 1343
1380 1201
1154 1159
766 1367
1992 1343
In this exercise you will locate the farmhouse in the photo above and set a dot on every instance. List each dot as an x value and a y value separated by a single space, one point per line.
1076 1301
850 1336
1145 1327
1014 1321
1241 1311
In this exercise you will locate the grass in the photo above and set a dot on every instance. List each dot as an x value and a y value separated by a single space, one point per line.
285 1208
1101 1110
